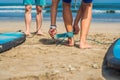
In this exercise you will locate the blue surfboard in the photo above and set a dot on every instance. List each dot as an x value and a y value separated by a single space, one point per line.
113 55
11 39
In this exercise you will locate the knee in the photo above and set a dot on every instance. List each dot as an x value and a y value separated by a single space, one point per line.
66 5
28 9
39 9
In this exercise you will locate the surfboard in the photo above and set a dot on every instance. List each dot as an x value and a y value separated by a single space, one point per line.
113 55
11 39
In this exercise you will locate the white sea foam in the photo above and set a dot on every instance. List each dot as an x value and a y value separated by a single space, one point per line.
106 11
21 8
99 11
7 7
20 11
117 11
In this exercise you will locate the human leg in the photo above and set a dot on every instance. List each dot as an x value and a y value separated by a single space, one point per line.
54 11
85 24
52 30
28 18
39 20
79 15
39 6
77 19
67 16
28 7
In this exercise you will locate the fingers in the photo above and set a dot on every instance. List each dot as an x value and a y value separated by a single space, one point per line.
76 29
52 32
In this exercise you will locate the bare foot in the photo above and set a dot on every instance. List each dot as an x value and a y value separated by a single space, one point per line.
85 46
76 29
40 33
27 33
70 42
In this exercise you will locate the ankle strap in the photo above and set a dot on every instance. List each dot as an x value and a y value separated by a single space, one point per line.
64 35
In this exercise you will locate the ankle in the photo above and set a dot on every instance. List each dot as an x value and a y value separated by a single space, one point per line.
70 40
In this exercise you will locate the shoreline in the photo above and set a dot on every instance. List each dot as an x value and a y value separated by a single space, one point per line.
59 20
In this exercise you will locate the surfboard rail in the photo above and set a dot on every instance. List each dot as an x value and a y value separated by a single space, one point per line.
113 55
9 40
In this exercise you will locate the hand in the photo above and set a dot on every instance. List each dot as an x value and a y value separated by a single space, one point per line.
76 29
52 32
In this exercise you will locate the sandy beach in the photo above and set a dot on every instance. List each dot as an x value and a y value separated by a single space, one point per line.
38 58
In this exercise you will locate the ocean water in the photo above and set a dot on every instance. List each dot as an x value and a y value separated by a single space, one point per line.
102 12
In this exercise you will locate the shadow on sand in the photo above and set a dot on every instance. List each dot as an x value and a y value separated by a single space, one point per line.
52 41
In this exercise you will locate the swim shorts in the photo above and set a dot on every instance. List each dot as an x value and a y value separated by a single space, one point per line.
87 1
36 2
67 1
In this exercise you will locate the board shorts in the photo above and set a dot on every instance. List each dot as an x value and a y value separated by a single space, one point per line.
87 1
67 1
36 2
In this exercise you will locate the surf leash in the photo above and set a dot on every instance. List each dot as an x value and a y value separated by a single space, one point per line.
63 36
104 43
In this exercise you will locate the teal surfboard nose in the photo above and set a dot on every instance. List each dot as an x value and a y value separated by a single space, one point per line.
116 49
